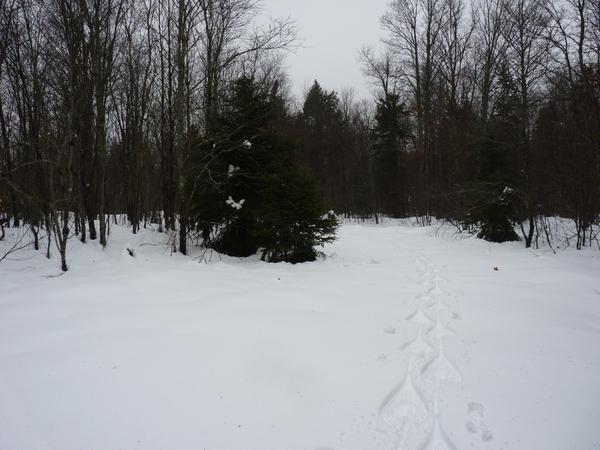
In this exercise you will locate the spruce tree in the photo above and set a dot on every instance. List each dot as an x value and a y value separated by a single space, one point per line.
323 143
495 201
261 201
388 139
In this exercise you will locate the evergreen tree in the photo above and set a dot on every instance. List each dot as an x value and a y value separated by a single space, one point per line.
388 137
323 144
292 223
495 203
260 201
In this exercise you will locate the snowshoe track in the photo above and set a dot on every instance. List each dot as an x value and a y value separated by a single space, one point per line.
409 415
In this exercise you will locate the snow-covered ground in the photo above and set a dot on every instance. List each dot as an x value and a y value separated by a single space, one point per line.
399 339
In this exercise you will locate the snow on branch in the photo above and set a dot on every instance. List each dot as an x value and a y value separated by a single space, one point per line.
235 205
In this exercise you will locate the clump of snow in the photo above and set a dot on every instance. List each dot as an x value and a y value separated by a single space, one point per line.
247 144
235 205
232 170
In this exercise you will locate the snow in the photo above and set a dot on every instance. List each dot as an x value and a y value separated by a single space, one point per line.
399 338
232 170
235 205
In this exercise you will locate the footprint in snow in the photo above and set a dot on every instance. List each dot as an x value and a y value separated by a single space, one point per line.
436 290
418 346
438 306
419 317
476 423
402 410
438 439
439 330
440 368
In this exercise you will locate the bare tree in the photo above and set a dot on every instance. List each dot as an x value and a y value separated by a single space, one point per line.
380 69
227 35
7 14
491 48
455 45
527 57
571 35
415 28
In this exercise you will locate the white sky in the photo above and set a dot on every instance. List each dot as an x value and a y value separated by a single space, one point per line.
333 31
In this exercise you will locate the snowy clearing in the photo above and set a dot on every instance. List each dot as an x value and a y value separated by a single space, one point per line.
399 339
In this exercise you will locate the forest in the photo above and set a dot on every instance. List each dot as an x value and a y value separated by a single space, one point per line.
179 113
209 239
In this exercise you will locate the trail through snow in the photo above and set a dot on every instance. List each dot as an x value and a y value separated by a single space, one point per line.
398 339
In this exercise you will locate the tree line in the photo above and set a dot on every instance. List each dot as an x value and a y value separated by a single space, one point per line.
491 111
117 107
487 114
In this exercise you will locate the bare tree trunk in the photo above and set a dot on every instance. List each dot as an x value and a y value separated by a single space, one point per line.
49 234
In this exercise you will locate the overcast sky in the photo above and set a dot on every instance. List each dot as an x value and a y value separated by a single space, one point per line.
334 31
